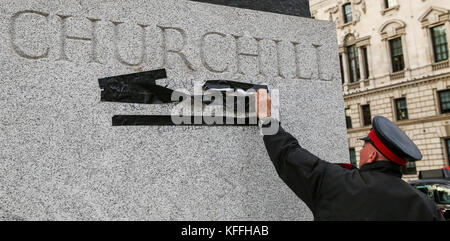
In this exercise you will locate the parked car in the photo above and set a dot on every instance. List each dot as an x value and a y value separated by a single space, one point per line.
436 185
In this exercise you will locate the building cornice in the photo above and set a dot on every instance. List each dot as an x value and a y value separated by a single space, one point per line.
424 120
405 84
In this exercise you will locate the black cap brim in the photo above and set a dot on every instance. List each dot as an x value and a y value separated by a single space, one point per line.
366 138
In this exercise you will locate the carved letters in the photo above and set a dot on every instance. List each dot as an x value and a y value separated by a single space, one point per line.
183 53
143 45
202 52
64 37
13 31
177 51
257 55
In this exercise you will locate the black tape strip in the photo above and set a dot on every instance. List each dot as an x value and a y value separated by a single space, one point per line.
227 84
136 88
166 120
142 88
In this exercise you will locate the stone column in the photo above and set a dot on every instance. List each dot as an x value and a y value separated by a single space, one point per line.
362 67
447 30
388 67
430 54
345 67
371 69
406 58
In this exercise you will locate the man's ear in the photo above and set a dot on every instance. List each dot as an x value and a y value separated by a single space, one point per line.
372 157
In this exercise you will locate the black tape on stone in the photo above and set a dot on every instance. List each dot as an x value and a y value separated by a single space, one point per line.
166 120
231 85
136 88
142 88
224 86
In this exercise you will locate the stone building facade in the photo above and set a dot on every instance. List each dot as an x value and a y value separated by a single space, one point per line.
395 63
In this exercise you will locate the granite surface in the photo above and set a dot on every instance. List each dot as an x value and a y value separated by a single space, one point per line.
291 7
61 158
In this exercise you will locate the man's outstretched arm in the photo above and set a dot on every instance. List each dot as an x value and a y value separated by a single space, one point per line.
302 171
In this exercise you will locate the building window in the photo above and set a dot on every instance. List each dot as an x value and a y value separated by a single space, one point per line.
444 101
366 116
390 3
401 109
353 63
366 62
348 119
342 68
398 63
352 156
348 13
410 168
440 45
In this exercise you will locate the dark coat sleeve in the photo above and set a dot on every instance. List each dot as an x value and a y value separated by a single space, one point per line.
302 171
299 169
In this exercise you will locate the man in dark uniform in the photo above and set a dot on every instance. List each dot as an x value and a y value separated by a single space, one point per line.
375 191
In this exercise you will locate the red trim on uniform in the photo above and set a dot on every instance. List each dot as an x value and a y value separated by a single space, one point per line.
347 166
384 150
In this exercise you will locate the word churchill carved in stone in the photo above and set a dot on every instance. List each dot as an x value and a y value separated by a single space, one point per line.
62 36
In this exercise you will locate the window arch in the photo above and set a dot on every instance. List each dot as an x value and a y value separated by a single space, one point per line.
392 28
354 54
436 22
393 34
349 39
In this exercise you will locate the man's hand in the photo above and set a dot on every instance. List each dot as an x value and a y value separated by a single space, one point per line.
263 104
